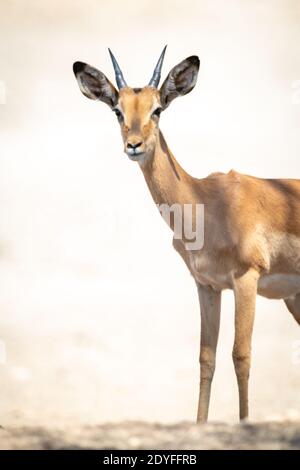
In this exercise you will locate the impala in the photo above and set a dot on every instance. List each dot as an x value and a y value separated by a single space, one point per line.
251 225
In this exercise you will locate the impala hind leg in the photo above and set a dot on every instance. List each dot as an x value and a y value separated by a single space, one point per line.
210 305
245 289
293 304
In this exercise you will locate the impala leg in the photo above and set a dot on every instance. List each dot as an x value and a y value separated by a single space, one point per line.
210 305
245 289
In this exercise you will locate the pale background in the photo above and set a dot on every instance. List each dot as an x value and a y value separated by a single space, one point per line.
98 314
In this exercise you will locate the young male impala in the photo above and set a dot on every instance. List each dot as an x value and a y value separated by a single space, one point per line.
251 225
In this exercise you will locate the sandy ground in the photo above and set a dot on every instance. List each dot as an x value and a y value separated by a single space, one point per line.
141 435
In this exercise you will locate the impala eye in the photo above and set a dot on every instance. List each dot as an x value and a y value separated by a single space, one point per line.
118 113
157 112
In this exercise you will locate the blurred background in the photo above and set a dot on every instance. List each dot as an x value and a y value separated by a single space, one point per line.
99 318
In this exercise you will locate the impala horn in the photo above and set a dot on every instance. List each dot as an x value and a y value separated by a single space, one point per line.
157 71
118 72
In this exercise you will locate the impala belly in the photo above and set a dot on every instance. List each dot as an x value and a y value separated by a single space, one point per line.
279 285
281 275
283 278
272 286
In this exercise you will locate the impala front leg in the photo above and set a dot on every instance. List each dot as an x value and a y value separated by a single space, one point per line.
210 305
245 289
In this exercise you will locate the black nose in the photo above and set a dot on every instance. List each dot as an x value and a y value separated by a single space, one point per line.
134 146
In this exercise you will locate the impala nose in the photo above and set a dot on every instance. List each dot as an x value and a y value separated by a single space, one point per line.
134 146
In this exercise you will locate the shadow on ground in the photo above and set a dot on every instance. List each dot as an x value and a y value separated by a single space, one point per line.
142 435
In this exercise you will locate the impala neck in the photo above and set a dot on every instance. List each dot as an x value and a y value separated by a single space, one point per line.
168 182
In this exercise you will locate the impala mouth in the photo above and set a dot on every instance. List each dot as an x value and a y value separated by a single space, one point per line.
134 155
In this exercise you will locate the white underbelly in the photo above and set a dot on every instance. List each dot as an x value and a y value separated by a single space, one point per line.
279 286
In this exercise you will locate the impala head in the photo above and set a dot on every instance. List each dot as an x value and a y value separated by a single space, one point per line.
138 109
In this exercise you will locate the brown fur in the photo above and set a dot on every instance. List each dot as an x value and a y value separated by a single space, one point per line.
251 225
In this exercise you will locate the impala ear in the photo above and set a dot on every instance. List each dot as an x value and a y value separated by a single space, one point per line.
180 81
94 84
